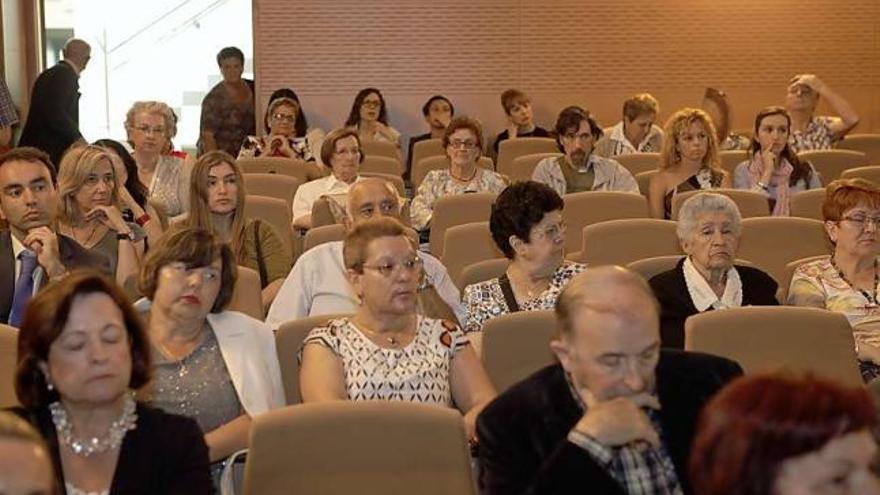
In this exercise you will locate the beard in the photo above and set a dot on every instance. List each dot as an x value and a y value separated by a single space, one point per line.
579 158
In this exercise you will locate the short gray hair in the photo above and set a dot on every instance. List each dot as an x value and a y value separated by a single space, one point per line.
703 203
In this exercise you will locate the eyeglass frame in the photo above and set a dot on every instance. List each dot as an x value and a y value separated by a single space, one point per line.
390 270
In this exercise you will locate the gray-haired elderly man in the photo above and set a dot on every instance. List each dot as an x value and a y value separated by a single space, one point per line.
317 284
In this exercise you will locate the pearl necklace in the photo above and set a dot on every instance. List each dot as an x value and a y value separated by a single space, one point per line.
85 447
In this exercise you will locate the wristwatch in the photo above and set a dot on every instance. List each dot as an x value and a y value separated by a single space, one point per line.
121 236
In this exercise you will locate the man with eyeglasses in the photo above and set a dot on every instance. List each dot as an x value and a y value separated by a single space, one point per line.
318 282
811 132
579 169
53 118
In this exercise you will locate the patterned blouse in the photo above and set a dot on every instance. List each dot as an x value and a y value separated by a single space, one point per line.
439 183
303 148
484 301
818 136
818 284
230 121
418 372
170 186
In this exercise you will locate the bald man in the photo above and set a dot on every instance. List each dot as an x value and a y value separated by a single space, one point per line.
317 284
53 118
616 415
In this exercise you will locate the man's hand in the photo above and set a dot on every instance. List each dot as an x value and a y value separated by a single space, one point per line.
44 242
618 421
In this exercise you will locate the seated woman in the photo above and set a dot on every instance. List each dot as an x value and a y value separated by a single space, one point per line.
688 160
785 435
717 106
387 351
774 169
580 169
287 131
809 132
848 280
150 126
217 204
219 367
27 469
91 212
527 226
520 119
369 118
438 112
708 229
81 354
462 143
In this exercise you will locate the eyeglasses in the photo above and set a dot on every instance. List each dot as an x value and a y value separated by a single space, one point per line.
372 103
552 232
145 129
586 136
459 144
284 117
863 222
389 269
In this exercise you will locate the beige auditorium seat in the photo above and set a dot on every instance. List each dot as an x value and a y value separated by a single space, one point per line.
273 211
457 210
750 203
482 271
807 204
381 164
771 338
365 448
869 144
510 149
790 267
524 166
380 148
637 163
587 208
831 163
426 148
8 362
871 173
731 158
422 167
515 345
467 244
655 265
247 295
288 341
618 242
304 171
322 213
272 186
773 242
326 233
643 179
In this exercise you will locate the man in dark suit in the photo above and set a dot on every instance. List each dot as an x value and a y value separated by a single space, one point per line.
29 202
615 416
53 118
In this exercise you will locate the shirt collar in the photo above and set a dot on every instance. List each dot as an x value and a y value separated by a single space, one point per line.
17 246
617 134
702 294
334 184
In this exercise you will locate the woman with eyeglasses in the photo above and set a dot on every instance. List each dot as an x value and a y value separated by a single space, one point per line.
386 350
811 132
287 131
462 141
527 226
369 117
848 280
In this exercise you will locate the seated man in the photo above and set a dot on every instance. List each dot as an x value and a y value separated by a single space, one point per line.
636 132
438 112
616 415
808 130
318 285
520 119
31 252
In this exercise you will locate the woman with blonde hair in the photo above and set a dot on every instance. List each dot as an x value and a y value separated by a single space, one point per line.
688 160
91 210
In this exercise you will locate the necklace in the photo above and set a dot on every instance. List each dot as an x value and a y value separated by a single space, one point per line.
872 296
180 361
462 179
394 340
87 242
85 447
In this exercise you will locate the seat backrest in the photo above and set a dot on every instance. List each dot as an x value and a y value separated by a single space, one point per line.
619 242
467 244
770 338
381 164
729 159
637 163
750 203
304 171
515 345
457 210
869 144
831 163
871 173
807 204
326 233
589 207
422 167
247 294
523 166
482 271
643 179
322 213
272 186
288 341
648 267
274 212
345 447
790 267
426 148
510 149
773 242
379 148
8 364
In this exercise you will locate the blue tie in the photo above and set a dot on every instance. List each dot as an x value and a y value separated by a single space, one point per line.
24 287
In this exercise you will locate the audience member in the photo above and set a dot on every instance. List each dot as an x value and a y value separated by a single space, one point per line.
786 435
438 112
25 465
31 252
706 279
217 203
318 283
520 119
219 367
774 168
811 132
387 351
228 109
462 141
369 118
150 126
688 160
527 226
288 133
616 415
90 210
53 117
717 106
8 117
848 280
81 354
580 169
636 132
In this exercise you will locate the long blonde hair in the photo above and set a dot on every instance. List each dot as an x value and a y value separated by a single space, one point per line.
76 166
680 120
199 211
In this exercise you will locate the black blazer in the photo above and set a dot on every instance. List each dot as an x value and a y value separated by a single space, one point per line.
53 119
165 455
523 445
72 256
676 305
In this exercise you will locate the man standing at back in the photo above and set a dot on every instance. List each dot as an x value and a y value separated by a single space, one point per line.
53 118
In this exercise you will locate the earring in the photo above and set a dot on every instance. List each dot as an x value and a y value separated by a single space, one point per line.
49 386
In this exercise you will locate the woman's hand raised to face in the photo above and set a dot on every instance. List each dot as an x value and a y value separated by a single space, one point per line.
109 216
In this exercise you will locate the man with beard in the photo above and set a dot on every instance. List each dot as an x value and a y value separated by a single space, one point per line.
580 169
616 415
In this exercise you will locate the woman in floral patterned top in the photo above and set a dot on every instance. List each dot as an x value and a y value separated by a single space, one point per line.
527 226
287 131
387 351
848 281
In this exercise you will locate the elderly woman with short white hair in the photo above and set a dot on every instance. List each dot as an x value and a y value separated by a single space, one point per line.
707 278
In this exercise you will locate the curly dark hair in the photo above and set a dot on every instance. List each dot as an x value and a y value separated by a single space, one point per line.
518 208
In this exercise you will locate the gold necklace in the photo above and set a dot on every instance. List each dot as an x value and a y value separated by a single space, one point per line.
87 242
462 179
395 340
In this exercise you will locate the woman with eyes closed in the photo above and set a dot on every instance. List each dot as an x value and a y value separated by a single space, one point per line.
387 351
287 131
